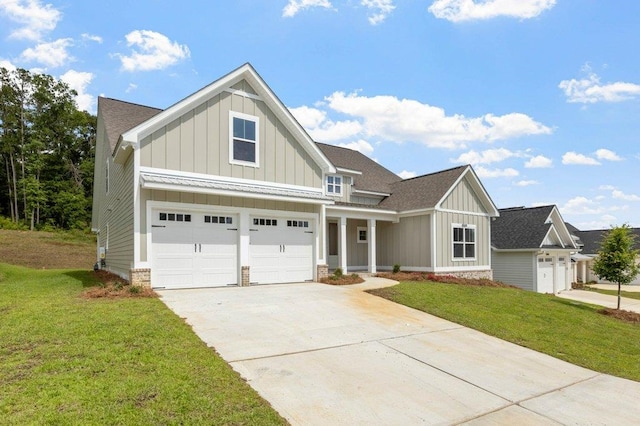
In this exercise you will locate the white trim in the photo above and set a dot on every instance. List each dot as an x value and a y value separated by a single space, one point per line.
361 213
335 186
360 191
255 142
136 210
479 268
434 245
243 94
463 212
228 179
418 212
464 226
350 171
362 228
553 228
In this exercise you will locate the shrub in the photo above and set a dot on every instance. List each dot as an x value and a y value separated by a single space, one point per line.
338 273
396 268
6 223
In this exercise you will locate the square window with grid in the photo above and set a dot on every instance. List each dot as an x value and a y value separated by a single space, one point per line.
464 242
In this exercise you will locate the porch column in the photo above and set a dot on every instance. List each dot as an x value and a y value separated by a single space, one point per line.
243 264
371 231
343 244
584 272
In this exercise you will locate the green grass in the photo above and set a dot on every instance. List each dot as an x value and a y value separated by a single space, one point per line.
69 360
627 294
565 329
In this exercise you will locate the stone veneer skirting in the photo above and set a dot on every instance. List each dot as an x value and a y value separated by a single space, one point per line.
487 275
245 276
323 272
140 277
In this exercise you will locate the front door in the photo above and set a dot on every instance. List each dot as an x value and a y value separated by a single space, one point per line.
333 258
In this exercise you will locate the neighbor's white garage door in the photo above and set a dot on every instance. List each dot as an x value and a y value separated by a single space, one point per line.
192 249
281 250
561 275
545 274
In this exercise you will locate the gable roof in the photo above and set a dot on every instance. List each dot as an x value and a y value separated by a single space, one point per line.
523 228
120 116
246 72
593 238
374 177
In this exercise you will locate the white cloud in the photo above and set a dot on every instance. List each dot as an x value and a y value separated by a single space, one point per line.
617 194
295 6
152 51
309 118
574 158
360 145
407 120
380 10
495 173
526 183
91 37
131 88
7 65
590 90
604 222
581 205
607 187
405 174
605 154
53 54
538 162
485 157
468 10
35 18
79 81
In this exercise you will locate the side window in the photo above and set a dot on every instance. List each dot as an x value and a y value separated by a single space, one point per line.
464 242
243 139
334 185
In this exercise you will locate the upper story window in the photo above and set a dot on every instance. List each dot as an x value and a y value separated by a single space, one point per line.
464 242
243 139
334 185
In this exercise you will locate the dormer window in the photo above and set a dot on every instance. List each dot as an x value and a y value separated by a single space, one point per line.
243 139
334 185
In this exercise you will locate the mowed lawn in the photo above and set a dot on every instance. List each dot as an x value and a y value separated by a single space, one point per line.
568 330
65 359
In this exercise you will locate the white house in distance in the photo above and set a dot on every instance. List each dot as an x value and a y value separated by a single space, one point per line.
226 188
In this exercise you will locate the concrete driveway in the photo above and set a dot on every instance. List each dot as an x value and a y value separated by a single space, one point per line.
336 355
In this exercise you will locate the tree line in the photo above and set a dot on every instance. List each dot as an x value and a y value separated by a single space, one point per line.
46 151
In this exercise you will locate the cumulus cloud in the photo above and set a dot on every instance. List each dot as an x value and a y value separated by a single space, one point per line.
294 6
132 87
590 90
53 54
605 154
360 145
607 187
380 9
485 157
405 174
573 158
79 81
483 172
152 51
526 183
538 162
34 18
91 37
469 10
407 120
581 205
619 195
7 65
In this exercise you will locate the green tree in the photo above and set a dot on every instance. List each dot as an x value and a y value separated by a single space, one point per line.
616 261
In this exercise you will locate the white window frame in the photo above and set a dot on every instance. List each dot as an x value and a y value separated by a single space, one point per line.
338 186
464 243
366 234
256 142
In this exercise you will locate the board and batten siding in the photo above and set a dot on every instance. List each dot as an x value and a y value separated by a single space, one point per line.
463 198
357 253
444 242
515 268
407 243
212 201
198 142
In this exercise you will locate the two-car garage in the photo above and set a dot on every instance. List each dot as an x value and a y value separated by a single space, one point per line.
191 249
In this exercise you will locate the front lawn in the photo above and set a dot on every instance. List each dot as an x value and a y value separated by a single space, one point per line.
572 331
65 359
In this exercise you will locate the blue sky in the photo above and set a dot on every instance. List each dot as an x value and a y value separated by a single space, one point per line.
542 97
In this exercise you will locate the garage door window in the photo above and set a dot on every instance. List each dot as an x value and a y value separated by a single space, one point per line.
218 219
298 223
175 217
265 222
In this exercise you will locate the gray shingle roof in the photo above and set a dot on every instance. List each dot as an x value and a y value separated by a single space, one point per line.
374 177
520 228
593 238
120 116
421 192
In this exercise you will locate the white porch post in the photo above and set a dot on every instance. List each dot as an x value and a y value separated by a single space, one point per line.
243 229
343 244
371 231
584 272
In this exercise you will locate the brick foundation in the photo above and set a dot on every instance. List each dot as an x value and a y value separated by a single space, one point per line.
322 271
245 276
140 277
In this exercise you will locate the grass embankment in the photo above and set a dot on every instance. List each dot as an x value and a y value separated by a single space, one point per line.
572 331
66 359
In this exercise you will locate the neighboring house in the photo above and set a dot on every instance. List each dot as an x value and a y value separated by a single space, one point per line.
226 188
590 243
531 248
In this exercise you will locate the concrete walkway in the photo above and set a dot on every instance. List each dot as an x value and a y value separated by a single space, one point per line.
605 300
326 355
631 288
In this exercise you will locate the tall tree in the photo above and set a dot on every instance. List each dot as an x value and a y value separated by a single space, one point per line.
616 261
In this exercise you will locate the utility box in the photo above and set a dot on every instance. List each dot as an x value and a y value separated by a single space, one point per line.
103 253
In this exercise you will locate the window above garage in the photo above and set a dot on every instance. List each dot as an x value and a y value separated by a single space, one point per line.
243 139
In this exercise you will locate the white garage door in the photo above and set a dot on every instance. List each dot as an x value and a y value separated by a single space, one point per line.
193 250
281 250
561 275
545 274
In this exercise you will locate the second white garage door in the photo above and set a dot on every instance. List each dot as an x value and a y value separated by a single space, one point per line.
281 250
